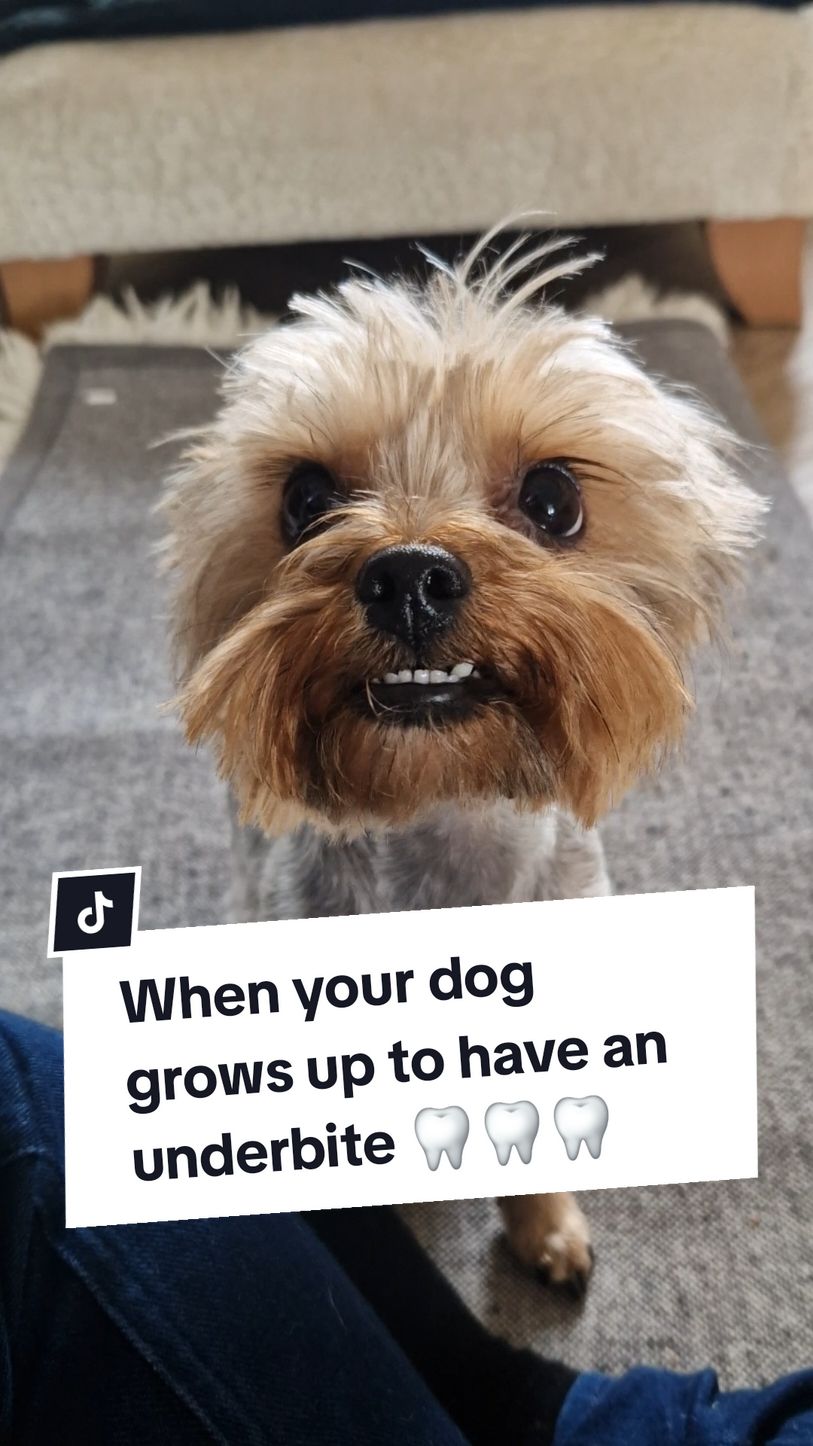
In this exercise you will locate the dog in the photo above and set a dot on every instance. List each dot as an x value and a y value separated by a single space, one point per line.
440 562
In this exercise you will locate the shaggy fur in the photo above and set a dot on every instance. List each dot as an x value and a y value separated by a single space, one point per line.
429 403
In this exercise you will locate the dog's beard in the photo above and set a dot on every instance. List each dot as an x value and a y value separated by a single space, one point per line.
583 693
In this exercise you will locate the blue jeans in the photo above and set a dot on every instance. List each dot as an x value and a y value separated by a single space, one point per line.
322 1330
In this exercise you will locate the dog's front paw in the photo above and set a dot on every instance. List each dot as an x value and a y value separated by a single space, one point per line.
566 1261
549 1234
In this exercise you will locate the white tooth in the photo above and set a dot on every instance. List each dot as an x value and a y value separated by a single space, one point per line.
462 670
420 675
440 1130
375 680
583 1119
436 676
405 675
476 673
512 1125
390 677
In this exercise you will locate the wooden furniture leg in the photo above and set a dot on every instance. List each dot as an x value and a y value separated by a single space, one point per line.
759 266
34 293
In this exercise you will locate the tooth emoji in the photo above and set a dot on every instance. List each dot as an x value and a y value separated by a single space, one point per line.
512 1125
578 1120
440 1130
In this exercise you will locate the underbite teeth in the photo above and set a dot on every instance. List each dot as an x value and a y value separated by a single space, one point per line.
455 674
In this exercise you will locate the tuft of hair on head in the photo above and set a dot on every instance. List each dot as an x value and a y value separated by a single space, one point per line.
521 272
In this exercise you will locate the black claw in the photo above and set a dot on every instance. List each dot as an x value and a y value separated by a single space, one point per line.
576 1286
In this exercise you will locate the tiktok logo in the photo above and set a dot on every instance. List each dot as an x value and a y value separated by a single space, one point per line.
93 910
91 920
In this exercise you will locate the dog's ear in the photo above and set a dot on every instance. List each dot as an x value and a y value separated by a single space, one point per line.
669 514
710 518
222 542
732 511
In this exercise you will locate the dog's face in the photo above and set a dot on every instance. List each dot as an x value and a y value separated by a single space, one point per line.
439 545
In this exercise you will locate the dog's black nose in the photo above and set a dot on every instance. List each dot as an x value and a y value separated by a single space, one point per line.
412 591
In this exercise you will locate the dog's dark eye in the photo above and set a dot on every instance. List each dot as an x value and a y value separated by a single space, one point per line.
550 496
309 494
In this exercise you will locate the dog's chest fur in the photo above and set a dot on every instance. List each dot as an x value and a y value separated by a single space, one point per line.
455 856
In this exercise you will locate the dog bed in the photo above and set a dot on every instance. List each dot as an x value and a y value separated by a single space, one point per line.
94 774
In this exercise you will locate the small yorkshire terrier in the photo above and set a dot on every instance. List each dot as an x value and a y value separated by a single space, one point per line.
440 561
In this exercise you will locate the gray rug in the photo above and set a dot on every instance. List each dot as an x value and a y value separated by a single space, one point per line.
92 774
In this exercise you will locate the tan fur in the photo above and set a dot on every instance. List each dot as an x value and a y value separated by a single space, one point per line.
549 1234
428 405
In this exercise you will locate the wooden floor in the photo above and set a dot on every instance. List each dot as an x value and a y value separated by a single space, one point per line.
777 368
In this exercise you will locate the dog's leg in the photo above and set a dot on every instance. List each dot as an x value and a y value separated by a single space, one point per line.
549 1234
264 877
577 869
